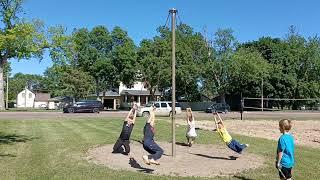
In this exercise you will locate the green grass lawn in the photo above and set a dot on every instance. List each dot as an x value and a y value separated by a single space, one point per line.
51 149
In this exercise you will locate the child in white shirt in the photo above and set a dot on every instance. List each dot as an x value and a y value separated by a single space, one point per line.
191 128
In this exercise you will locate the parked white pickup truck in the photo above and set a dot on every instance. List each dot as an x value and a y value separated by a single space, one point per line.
163 108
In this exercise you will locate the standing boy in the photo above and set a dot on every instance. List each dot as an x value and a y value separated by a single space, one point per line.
285 150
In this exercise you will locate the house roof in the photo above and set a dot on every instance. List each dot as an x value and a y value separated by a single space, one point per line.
127 91
139 92
42 97
106 94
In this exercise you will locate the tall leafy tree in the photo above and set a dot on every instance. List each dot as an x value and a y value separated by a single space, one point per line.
18 39
247 70
68 81
295 64
124 56
216 72
155 59
154 64
108 57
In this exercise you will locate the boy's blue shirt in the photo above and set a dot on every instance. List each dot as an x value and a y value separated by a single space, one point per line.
286 145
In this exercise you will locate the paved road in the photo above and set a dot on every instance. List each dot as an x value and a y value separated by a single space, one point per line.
199 115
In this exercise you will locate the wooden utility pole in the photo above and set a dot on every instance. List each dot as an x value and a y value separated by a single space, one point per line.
262 94
173 110
7 91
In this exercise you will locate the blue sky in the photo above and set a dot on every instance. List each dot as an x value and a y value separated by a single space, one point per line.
250 19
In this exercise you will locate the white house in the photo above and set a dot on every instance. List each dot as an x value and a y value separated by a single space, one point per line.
126 95
29 99
25 99
137 93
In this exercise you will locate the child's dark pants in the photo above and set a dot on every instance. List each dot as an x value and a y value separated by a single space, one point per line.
154 149
236 146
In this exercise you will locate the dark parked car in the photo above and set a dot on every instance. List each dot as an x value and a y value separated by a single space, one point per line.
218 107
84 106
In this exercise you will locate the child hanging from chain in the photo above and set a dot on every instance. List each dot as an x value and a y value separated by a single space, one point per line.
230 142
148 142
124 138
191 128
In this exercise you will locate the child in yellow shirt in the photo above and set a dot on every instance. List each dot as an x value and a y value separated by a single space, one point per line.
231 143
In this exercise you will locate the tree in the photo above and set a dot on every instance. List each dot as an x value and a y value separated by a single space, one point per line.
18 39
108 57
216 71
192 52
153 64
68 81
295 66
155 59
124 56
247 69
77 83
93 52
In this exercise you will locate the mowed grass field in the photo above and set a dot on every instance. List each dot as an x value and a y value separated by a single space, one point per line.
56 149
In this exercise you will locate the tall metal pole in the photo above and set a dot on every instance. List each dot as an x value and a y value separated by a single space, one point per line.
173 110
7 92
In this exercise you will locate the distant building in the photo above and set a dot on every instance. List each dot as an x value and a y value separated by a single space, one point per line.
25 99
32 99
124 96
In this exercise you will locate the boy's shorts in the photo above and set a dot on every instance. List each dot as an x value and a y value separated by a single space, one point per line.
286 172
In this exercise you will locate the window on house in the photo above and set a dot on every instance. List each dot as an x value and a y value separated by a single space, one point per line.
23 95
30 95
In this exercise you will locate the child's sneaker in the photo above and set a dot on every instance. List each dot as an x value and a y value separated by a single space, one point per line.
152 161
245 147
145 159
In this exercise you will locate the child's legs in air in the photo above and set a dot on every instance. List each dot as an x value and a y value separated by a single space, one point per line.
236 146
155 151
239 146
158 152
146 147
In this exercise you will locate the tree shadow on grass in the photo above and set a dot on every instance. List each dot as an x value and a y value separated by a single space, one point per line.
213 157
14 138
133 163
